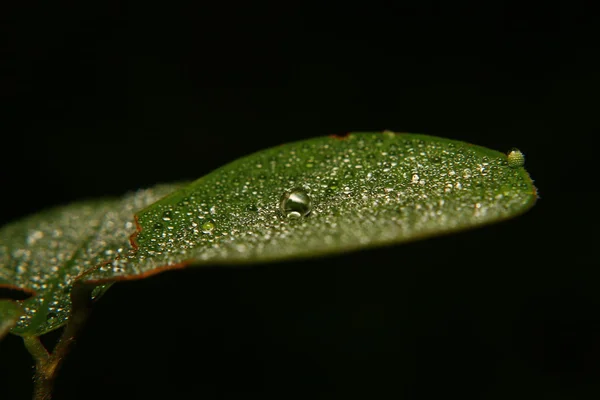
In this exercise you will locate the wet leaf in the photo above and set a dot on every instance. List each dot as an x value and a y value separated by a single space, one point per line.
45 253
327 195
320 196
9 314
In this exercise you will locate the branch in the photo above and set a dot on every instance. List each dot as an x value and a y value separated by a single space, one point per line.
47 364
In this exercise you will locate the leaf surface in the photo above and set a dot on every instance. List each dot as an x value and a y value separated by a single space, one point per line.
320 196
363 190
9 314
45 253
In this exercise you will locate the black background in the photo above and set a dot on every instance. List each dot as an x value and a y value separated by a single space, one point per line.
104 98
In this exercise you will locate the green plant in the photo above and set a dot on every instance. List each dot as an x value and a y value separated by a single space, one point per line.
304 199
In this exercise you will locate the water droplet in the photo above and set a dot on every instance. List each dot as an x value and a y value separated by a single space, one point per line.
478 183
158 226
501 162
34 237
50 316
516 158
167 216
106 267
295 203
208 227
332 187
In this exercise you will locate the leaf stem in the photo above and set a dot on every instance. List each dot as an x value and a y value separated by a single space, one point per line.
47 364
36 349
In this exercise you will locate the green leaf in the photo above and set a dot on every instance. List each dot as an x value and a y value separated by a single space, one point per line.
320 196
45 253
9 314
365 190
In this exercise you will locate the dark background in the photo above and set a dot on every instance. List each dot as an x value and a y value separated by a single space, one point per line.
105 98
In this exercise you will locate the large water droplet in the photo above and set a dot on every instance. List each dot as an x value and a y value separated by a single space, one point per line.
208 227
516 158
295 203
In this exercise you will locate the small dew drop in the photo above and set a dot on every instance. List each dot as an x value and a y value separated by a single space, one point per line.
516 158
106 267
295 203
34 237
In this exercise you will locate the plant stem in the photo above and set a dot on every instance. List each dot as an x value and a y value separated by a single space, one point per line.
47 364
36 349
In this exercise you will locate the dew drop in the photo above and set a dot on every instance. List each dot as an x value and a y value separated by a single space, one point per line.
295 203
208 227
332 187
516 158
106 267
